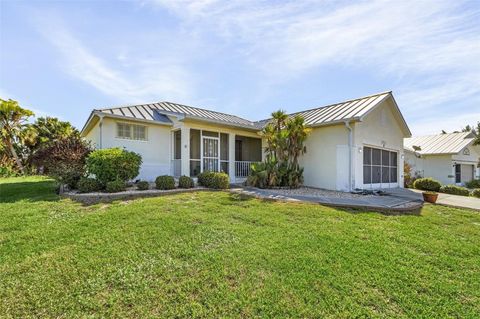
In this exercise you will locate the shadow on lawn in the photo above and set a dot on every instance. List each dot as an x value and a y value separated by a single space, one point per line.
31 191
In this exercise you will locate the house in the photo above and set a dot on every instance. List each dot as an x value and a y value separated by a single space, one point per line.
449 158
353 144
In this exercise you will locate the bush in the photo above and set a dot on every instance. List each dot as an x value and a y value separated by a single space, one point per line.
113 164
474 183
476 192
185 182
88 185
64 159
427 184
214 180
143 185
455 190
165 182
115 186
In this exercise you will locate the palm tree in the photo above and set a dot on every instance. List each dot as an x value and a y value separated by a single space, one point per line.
12 121
297 135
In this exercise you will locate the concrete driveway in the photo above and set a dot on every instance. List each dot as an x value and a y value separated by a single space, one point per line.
456 201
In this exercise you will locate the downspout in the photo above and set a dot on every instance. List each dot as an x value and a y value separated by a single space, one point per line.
100 125
350 155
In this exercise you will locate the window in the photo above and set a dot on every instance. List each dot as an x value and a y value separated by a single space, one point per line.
458 173
131 131
379 166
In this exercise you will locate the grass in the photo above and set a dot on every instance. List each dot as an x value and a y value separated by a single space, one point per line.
213 254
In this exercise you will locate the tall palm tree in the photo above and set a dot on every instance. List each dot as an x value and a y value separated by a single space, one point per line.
12 121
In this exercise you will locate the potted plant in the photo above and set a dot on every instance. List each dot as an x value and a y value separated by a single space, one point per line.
430 196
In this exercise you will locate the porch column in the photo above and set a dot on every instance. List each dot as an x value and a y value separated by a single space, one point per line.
185 144
231 157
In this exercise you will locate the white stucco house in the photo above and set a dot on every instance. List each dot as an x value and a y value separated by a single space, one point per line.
353 144
449 158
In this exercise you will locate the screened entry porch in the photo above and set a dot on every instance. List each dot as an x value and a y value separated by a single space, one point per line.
214 151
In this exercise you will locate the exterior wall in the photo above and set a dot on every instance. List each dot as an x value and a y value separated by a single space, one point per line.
379 129
441 167
320 160
155 151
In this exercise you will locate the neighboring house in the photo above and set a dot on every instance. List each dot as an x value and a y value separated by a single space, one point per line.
353 144
450 158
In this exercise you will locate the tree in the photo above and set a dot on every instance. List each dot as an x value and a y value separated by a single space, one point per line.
12 121
476 132
45 130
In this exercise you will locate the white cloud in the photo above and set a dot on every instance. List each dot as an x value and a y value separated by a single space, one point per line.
430 48
139 80
435 125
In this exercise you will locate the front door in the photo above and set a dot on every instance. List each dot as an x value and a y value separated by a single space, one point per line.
210 154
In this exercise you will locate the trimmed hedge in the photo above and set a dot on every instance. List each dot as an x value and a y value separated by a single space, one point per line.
165 182
115 186
88 185
214 180
143 185
427 184
185 182
475 183
454 190
112 164
476 192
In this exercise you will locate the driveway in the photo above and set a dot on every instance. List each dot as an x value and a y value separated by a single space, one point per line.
457 201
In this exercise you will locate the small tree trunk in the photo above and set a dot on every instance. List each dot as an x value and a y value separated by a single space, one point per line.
15 156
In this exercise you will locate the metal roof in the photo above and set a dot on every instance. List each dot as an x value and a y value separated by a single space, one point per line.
345 111
351 110
450 143
151 112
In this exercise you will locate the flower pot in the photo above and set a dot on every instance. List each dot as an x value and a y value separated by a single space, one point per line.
430 197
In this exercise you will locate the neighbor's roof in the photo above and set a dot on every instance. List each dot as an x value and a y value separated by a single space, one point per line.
351 110
450 143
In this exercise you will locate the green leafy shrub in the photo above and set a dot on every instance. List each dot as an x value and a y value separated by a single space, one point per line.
143 185
427 184
476 192
88 185
113 164
115 186
165 182
474 183
185 182
455 190
215 180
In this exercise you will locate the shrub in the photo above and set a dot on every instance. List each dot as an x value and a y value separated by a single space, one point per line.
143 185
455 190
165 182
474 183
115 186
476 192
64 159
88 185
427 184
113 164
185 182
214 180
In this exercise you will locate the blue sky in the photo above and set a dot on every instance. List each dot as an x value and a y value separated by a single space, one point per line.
248 58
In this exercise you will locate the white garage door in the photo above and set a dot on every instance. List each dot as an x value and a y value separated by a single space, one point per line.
380 168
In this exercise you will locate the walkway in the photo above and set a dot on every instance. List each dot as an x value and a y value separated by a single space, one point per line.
398 200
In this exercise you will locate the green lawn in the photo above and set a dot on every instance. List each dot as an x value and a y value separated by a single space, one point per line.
213 254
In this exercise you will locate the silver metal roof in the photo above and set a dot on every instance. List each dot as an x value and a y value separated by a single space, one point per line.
450 143
151 112
345 111
351 110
